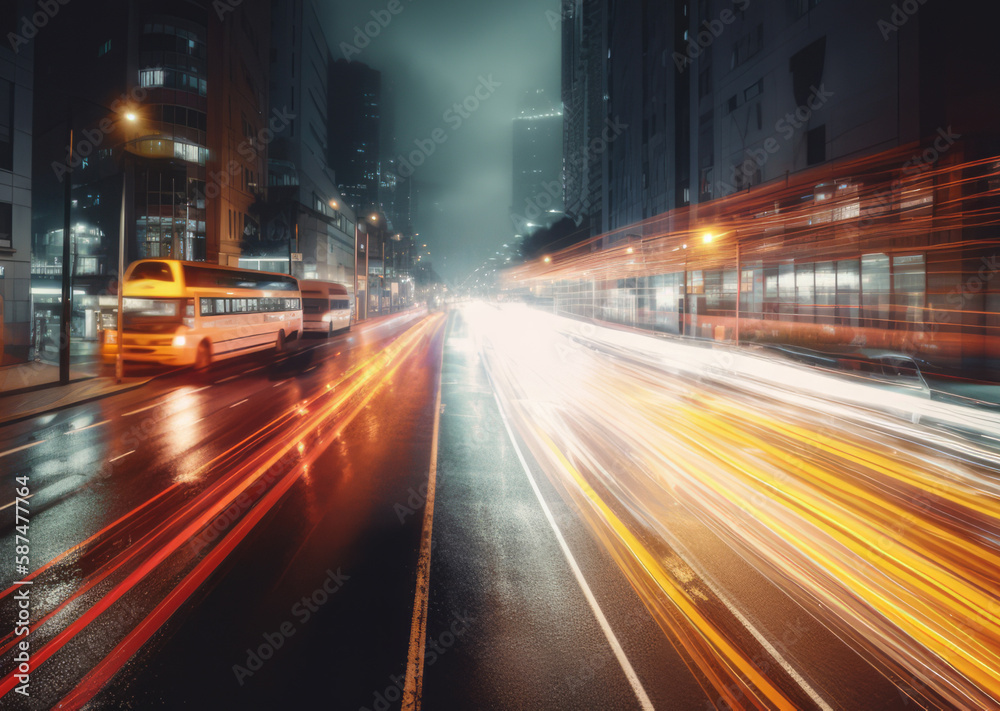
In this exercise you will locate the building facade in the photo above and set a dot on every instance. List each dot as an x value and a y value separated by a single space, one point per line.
308 223
829 172
584 47
355 110
537 193
136 99
16 102
240 127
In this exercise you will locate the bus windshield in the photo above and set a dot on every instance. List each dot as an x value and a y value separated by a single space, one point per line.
152 314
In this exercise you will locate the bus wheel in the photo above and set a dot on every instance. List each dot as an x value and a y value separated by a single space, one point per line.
203 358
279 344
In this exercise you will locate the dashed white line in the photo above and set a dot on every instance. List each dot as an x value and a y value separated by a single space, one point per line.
278 385
142 409
226 380
237 404
22 447
120 456
88 427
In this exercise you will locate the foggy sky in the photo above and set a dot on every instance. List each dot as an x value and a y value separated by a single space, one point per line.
434 54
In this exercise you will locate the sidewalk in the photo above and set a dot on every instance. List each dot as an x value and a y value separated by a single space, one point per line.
30 389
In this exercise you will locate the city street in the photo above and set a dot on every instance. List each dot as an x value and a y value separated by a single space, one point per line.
253 538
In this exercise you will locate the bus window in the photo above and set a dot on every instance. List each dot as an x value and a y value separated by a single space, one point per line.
155 271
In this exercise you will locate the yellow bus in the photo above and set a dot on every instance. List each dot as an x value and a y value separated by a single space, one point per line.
191 313
326 306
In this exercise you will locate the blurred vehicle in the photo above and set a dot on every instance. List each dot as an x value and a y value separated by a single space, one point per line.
188 313
326 307
887 369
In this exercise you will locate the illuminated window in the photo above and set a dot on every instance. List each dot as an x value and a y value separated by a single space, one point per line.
151 77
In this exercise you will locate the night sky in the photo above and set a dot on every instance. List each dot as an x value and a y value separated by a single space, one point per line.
433 54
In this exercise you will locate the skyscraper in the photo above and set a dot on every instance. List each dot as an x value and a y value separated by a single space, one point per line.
307 215
355 109
583 95
537 189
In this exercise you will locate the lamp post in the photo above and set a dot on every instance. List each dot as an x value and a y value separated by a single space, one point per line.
358 247
708 239
67 285
120 332
374 221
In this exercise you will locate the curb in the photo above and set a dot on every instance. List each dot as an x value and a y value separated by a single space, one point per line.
43 386
64 406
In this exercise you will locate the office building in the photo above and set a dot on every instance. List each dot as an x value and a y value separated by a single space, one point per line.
16 98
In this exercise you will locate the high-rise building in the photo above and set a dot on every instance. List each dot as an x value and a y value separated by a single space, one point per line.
240 127
355 109
583 95
132 83
307 215
538 188
681 103
16 91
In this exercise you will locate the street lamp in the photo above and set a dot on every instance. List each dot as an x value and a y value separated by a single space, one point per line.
708 239
67 286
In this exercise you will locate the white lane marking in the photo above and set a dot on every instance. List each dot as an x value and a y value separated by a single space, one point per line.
142 409
23 498
88 427
198 390
278 385
22 447
237 404
226 380
616 647
684 554
120 456
413 686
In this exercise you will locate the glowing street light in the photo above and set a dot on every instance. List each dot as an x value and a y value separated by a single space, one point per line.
548 260
708 238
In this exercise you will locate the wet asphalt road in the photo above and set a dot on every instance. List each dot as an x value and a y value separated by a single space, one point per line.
312 606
